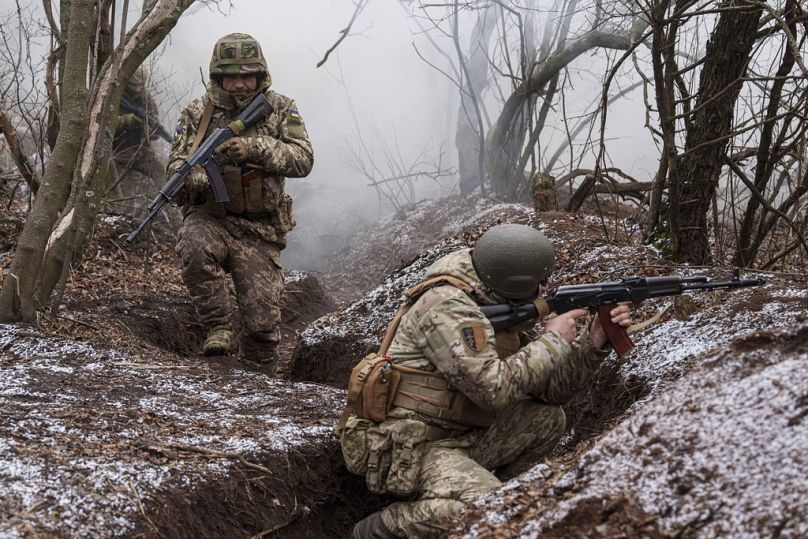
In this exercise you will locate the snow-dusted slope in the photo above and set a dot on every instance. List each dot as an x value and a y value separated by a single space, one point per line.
721 452
92 442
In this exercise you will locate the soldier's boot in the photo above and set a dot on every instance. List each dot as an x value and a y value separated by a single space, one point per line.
219 340
372 527
264 360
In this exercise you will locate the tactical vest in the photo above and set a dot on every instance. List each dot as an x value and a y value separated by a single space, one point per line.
377 384
250 189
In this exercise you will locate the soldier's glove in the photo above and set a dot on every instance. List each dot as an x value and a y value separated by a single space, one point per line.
129 120
234 149
197 181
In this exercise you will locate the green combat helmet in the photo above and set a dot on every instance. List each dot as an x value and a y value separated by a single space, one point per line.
512 260
238 54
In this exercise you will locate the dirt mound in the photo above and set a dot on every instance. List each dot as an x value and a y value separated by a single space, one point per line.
103 443
148 438
330 347
136 300
719 453
304 300
372 254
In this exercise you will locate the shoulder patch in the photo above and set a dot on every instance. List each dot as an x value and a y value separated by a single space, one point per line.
473 336
295 115
179 133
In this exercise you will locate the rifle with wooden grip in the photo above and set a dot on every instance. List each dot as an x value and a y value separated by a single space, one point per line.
601 298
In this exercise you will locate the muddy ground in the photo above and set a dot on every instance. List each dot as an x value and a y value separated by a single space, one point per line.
719 453
113 425
116 427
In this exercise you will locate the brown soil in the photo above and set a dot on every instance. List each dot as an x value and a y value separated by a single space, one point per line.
135 302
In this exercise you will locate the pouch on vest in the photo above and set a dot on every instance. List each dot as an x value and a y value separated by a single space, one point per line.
283 219
272 191
354 442
372 386
379 443
408 437
232 180
253 191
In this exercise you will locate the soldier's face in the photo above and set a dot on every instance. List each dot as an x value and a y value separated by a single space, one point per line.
239 84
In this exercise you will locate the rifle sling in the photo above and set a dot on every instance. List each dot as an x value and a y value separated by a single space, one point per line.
203 126
634 328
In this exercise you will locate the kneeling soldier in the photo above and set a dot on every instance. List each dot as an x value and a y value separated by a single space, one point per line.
448 404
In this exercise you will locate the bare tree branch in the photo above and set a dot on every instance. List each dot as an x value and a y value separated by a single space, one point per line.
360 6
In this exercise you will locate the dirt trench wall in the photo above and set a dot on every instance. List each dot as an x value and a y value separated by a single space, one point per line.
302 493
100 443
330 347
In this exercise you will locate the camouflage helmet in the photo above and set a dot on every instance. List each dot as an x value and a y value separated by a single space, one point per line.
238 54
512 260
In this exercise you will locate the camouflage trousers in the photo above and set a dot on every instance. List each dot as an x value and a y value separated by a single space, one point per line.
453 472
208 252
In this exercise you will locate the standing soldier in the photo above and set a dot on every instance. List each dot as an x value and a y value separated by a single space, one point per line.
244 236
136 173
466 404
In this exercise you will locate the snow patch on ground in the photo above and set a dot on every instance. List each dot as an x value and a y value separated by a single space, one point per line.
87 434
369 316
665 351
726 445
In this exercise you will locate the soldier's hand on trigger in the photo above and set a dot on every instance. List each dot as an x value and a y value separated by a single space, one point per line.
566 324
234 149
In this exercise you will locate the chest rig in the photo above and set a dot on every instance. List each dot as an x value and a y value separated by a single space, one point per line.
377 384
250 189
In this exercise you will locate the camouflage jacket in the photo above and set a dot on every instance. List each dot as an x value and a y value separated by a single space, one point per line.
279 147
446 331
131 131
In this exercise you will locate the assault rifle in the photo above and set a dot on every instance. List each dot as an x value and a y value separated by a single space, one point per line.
601 298
258 109
152 123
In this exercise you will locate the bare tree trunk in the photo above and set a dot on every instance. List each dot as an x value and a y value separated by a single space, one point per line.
27 171
662 53
81 153
467 139
16 296
764 158
92 169
720 84
498 162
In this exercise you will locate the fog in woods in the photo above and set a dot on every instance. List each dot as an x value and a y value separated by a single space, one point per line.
383 105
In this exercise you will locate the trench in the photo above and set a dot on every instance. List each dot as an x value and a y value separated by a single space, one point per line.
309 492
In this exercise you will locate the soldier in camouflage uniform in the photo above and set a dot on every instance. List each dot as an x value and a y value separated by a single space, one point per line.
442 455
244 236
136 172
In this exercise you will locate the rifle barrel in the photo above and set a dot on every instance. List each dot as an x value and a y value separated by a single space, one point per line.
740 283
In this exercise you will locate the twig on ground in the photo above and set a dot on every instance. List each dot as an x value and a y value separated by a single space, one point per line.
210 453
140 506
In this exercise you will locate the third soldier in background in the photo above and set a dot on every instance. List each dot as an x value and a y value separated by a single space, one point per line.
244 236
136 172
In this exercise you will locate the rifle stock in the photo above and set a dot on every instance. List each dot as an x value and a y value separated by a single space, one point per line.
602 297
